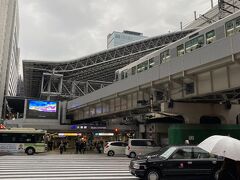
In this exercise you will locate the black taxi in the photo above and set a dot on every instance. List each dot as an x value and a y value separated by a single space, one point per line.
177 161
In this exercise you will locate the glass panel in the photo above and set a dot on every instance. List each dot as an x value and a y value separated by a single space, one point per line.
139 143
229 28
116 76
188 46
161 57
180 50
164 55
140 68
194 43
184 153
151 62
200 41
145 65
237 25
168 152
200 154
126 74
210 37
122 75
167 55
133 70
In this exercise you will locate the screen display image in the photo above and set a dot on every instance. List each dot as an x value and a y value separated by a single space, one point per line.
43 106
42 109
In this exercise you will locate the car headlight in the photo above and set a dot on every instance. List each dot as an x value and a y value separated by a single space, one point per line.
136 166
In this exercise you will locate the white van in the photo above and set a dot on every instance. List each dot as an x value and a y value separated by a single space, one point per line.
140 146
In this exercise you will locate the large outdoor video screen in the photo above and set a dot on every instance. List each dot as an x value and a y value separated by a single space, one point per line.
42 109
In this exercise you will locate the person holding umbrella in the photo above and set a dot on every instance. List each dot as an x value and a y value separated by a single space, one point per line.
228 170
229 148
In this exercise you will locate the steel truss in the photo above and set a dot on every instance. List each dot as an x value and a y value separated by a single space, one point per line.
87 74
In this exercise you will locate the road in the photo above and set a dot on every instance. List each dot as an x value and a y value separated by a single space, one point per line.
64 167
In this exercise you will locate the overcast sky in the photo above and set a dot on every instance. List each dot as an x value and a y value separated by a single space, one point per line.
68 29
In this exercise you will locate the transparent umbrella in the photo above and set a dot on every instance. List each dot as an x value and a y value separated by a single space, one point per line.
222 146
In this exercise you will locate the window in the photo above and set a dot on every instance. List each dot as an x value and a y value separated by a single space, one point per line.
230 28
116 76
184 153
237 28
189 88
164 56
145 65
125 73
151 62
200 154
194 44
116 144
210 37
122 75
21 138
180 50
139 68
134 70
151 143
139 143
161 58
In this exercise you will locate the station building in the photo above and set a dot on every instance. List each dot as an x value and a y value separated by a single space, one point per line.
192 86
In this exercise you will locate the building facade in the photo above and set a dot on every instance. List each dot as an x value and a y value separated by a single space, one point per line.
9 51
119 38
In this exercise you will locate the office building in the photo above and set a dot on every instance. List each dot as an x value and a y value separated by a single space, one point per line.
119 38
9 51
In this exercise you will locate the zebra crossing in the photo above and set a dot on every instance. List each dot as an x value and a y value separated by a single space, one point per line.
64 167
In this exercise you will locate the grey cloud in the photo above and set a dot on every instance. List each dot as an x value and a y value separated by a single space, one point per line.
67 29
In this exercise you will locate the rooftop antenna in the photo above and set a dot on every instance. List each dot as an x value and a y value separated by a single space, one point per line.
195 15
211 4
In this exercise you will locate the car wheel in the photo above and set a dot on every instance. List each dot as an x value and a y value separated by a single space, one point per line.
111 153
153 174
30 151
132 155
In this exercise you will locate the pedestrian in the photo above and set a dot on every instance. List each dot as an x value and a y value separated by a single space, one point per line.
228 170
77 144
80 147
61 147
83 147
99 147
65 145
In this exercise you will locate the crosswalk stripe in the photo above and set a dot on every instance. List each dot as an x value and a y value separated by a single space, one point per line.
64 167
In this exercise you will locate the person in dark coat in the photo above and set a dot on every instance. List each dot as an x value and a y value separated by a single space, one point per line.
80 147
61 147
84 145
228 170
65 145
77 144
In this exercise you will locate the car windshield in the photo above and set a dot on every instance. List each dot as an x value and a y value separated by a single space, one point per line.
168 152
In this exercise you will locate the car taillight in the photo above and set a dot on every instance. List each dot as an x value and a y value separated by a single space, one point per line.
128 147
106 146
